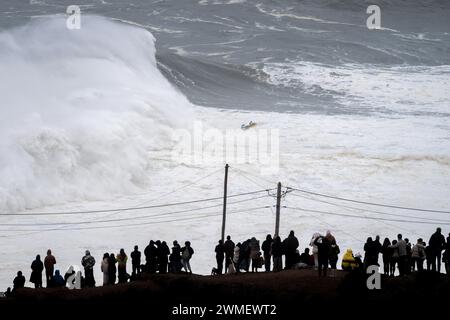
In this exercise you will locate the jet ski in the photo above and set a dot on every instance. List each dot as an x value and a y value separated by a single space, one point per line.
248 125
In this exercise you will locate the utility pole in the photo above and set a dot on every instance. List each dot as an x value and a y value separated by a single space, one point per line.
277 219
225 185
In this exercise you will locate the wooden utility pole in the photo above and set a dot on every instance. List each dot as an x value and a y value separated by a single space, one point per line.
277 219
224 217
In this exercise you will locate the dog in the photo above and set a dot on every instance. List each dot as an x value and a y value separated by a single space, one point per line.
214 271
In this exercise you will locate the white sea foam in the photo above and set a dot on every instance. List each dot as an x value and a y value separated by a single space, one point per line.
82 111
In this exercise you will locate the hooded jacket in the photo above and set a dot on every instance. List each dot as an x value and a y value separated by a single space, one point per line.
88 261
348 261
418 251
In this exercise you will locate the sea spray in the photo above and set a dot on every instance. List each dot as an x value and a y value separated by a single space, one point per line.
82 111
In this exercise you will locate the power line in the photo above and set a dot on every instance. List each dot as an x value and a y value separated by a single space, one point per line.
369 203
121 219
244 175
368 210
366 217
211 214
155 198
131 208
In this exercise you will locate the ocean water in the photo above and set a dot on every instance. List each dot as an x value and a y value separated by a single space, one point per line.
88 116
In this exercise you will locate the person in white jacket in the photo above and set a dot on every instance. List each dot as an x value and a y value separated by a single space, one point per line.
418 255
315 250
236 257
104 268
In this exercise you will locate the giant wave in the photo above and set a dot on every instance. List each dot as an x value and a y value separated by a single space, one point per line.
82 111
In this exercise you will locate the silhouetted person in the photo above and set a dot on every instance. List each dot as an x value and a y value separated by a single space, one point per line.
314 249
323 251
136 260
428 255
306 258
36 272
57 280
175 258
157 254
330 237
255 253
437 244
8 293
446 256
164 253
386 255
122 259
104 267
220 256
244 255
408 259
359 263
112 269
49 264
257 262
418 255
370 253
88 263
377 248
18 282
394 257
277 254
186 255
333 254
290 244
402 254
229 252
236 256
349 262
266 246
150 257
